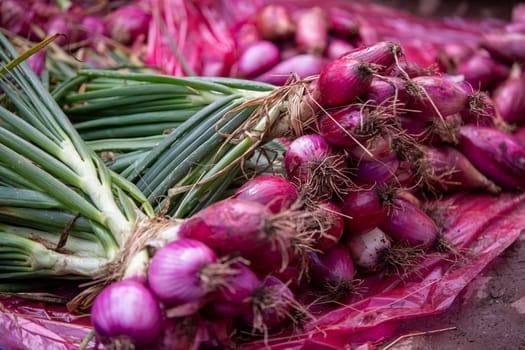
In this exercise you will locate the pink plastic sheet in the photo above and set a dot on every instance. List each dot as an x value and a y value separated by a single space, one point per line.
482 225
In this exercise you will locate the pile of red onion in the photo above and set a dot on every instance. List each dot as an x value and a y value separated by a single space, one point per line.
353 200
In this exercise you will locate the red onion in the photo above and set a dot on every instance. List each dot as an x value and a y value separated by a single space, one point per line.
315 167
445 169
273 303
332 271
363 210
411 69
383 54
16 17
330 213
337 47
342 23
127 23
126 312
436 95
519 134
301 65
273 191
508 47
185 271
373 148
481 110
450 55
37 61
245 34
342 80
387 88
340 127
274 22
61 24
94 27
406 222
482 71
432 131
498 155
245 228
367 248
516 27
257 58
509 97
231 300
311 30
373 172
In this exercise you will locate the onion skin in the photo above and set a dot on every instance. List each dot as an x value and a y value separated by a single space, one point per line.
363 210
273 191
334 265
406 222
231 300
274 22
509 98
337 47
387 88
127 23
332 234
444 95
498 155
518 13
509 47
175 272
343 80
257 58
127 308
301 65
450 55
234 226
342 23
383 54
482 71
366 248
311 30
338 126
377 171
452 171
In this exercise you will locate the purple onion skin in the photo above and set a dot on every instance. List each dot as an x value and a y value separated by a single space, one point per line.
231 301
516 27
338 126
519 134
383 53
232 226
337 47
127 308
301 65
456 171
342 23
127 23
411 69
334 264
447 96
274 22
37 61
451 54
343 80
333 234
482 71
387 88
173 274
509 47
16 17
305 152
362 210
366 248
257 58
375 172
273 191
311 30
509 98
496 154
406 222
94 27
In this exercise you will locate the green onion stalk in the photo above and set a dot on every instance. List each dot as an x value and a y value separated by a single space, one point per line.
65 213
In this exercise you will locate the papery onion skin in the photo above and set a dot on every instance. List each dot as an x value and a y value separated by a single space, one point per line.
174 271
311 30
127 23
366 248
377 171
383 54
338 126
509 97
406 222
498 155
274 191
127 308
334 264
274 22
482 71
363 210
257 58
343 80
337 47
387 88
509 47
302 66
330 235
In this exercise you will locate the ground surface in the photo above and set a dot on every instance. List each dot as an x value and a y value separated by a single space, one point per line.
488 315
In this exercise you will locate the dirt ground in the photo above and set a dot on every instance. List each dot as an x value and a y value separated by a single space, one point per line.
489 314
